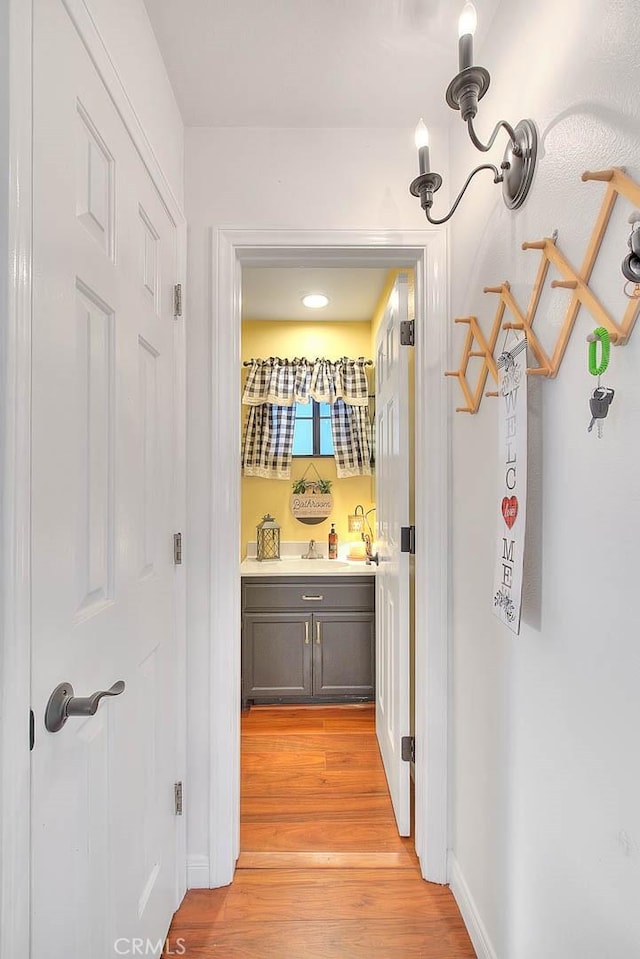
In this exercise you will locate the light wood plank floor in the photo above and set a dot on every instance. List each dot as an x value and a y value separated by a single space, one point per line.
322 872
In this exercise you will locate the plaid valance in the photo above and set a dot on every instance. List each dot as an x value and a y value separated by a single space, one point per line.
272 389
286 382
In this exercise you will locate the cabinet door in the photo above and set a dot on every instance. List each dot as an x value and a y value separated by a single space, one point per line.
276 655
343 654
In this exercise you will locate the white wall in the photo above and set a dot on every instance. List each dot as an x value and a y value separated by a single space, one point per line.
546 811
128 35
264 179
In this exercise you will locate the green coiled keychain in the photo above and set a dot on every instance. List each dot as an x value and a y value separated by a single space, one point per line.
601 334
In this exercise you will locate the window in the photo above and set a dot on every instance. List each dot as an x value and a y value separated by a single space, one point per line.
312 430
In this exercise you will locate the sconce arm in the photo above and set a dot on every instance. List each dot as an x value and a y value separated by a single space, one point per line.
371 556
500 125
497 178
366 519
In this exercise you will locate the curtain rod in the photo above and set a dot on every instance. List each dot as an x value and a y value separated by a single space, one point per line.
305 360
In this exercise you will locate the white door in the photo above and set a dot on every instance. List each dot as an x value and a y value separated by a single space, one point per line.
103 601
392 579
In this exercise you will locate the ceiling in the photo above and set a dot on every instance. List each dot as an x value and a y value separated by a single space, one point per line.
310 63
274 293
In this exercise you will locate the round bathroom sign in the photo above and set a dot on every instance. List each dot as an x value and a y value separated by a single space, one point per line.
311 508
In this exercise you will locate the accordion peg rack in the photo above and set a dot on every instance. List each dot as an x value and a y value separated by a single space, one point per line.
476 345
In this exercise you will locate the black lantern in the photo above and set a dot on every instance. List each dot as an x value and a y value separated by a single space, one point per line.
268 538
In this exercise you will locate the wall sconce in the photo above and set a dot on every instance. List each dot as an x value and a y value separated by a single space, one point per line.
356 520
463 93
358 523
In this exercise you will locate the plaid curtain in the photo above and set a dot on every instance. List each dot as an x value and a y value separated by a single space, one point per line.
268 441
272 389
351 432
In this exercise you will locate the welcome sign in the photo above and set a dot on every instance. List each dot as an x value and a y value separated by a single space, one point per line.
512 495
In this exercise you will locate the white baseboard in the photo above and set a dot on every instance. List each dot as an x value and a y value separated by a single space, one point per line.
470 914
198 872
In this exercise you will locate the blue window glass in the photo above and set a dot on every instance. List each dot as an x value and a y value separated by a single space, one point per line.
312 430
326 438
303 437
304 410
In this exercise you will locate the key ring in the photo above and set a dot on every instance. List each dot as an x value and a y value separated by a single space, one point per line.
601 334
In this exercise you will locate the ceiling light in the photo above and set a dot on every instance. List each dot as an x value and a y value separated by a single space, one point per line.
463 93
315 301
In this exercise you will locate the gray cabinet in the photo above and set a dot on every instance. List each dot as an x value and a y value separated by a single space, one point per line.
308 640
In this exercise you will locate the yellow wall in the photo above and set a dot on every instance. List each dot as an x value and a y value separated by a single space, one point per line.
263 338
376 319
321 338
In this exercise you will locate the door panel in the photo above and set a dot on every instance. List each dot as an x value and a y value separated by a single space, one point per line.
103 594
392 580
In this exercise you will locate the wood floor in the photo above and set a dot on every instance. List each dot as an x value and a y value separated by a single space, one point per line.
322 872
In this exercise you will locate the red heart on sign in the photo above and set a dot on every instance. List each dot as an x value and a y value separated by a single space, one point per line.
510 510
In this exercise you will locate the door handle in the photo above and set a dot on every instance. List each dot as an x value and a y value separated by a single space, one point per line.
318 597
318 638
63 704
306 632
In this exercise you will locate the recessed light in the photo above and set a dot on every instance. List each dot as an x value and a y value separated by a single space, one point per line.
315 301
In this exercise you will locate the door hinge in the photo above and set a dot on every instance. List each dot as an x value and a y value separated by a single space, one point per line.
407 333
177 549
177 299
408 539
408 744
177 792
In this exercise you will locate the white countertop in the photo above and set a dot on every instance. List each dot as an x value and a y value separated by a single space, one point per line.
291 566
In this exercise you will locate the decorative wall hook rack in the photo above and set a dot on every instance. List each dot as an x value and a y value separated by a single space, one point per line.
577 281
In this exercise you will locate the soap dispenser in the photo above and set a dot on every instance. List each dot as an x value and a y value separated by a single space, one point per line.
333 542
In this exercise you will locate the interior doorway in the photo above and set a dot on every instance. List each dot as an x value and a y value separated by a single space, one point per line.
277 326
313 656
425 253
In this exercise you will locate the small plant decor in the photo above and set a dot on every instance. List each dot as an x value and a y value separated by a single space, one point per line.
311 501
302 485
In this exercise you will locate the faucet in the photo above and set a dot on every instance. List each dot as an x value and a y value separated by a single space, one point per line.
312 552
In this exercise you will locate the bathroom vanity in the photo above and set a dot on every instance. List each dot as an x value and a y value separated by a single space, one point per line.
307 638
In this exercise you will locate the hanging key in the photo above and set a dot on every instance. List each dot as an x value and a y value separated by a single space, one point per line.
599 405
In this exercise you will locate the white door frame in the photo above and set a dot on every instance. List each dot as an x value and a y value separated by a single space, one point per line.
15 470
426 251
15 463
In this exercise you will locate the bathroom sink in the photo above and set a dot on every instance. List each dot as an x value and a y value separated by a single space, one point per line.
296 566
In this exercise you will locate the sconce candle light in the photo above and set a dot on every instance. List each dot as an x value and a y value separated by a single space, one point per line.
359 523
463 93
